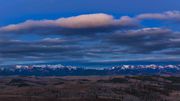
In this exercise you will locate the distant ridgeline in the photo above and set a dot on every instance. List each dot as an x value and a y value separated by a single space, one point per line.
60 70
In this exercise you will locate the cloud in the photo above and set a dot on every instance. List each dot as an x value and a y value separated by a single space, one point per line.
40 51
96 37
168 16
86 24
172 52
59 49
127 21
145 41
89 23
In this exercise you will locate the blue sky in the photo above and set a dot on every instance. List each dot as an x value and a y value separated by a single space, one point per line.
14 11
89 31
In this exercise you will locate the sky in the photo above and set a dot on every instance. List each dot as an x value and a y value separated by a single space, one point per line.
89 32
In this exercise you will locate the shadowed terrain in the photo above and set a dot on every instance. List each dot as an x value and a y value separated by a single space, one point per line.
90 88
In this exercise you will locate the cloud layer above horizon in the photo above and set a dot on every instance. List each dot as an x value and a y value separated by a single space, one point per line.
92 38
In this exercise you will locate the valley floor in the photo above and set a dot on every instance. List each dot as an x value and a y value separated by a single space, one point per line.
90 88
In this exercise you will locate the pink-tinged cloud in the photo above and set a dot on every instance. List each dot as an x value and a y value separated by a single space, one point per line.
88 21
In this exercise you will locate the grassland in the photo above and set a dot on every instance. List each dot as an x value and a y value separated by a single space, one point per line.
90 88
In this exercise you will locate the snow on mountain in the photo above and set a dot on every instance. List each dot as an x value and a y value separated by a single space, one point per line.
61 70
58 66
153 66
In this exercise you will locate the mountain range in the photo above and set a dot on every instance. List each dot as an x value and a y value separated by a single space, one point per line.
61 70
